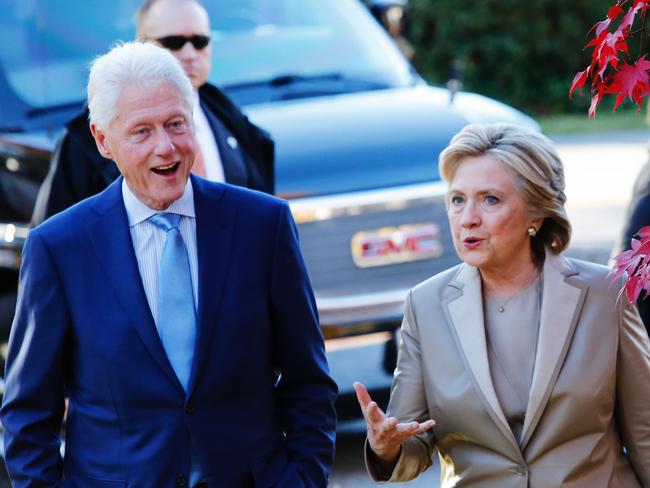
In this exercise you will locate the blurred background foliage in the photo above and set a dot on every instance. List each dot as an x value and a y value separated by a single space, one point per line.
524 53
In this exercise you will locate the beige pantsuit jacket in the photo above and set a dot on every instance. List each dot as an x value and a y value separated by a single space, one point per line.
589 398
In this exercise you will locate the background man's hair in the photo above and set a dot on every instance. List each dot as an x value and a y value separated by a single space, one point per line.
141 15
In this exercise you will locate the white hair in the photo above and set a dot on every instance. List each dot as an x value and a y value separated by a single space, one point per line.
132 63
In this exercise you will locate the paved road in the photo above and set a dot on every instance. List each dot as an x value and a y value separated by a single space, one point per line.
600 172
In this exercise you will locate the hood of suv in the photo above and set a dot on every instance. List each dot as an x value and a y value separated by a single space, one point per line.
367 140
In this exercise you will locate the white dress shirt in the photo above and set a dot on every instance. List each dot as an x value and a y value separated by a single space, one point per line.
207 143
148 240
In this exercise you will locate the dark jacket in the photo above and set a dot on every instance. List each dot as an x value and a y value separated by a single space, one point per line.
78 171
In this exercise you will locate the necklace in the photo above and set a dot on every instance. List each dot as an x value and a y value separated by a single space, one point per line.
502 306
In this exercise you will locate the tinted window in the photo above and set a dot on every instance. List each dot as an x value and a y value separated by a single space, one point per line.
45 45
262 39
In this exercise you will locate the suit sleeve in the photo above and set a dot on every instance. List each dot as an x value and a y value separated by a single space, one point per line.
633 390
305 392
407 403
33 404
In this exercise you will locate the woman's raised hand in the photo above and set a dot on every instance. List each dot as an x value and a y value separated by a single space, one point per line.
386 434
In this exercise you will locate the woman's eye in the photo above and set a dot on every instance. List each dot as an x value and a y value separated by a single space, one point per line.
491 200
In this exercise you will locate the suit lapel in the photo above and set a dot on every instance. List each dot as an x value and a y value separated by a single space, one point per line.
215 221
561 302
111 240
466 316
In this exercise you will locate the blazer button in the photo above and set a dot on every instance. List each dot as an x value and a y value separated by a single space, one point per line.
190 409
521 470
180 480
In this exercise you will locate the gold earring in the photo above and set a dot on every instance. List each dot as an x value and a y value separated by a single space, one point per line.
532 231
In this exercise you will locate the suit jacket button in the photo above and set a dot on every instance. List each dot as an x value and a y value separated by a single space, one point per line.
180 480
189 409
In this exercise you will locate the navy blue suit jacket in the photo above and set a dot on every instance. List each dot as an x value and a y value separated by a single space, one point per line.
260 403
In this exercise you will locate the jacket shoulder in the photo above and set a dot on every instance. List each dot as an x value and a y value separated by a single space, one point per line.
66 227
435 285
71 221
592 274
247 202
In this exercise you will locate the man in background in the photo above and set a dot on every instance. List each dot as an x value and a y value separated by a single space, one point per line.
230 148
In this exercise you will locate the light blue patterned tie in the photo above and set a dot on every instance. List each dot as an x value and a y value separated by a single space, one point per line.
176 313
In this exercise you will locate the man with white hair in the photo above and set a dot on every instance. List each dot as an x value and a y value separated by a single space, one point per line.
174 313
230 148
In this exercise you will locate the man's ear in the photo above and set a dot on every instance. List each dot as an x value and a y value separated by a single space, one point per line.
100 140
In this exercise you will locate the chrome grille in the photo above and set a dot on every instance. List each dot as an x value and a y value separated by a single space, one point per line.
326 247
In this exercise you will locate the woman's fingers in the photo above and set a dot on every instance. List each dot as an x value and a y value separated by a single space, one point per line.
371 411
386 434
375 414
389 424
363 397
424 426
410 429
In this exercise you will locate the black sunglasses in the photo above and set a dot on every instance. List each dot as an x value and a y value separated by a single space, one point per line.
174 43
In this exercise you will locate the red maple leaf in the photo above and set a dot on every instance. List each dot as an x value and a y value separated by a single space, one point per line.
614 12
628 20
607 53
631 81
595 100
579 81
635 263
610 71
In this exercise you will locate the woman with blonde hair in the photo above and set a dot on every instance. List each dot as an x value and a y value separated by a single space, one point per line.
520 366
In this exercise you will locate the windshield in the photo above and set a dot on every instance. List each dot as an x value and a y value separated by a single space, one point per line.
46 46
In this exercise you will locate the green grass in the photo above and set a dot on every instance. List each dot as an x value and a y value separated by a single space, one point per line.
625 118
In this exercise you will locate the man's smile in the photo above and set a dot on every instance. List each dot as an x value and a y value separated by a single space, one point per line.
167 170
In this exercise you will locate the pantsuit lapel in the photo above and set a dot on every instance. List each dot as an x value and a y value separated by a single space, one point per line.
466 317
561 305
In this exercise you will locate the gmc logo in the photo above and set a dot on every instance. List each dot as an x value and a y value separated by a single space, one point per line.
392 245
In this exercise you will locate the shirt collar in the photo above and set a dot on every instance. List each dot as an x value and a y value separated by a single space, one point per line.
197 100
138 212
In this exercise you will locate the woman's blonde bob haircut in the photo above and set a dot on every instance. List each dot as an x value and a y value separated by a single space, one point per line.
538 171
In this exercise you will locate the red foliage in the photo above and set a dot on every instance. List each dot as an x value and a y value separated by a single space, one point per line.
608 73
635 263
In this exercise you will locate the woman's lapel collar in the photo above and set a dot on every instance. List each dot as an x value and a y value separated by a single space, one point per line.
561 303
466 317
